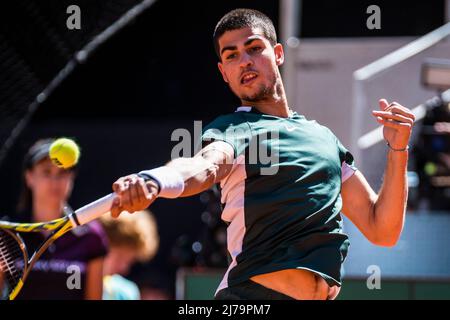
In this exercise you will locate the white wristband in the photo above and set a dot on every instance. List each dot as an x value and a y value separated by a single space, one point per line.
170 181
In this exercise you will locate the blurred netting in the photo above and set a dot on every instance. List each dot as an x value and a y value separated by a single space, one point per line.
37 51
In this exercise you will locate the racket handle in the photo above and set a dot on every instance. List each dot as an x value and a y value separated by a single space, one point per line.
93 210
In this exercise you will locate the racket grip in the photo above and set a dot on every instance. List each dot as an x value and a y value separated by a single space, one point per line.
93 210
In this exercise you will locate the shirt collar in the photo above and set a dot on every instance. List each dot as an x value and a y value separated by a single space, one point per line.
244 109
249 109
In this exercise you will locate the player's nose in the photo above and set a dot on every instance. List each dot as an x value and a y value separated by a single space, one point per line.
245 61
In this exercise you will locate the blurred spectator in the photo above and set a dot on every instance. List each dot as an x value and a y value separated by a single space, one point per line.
432 155
46 189
132 237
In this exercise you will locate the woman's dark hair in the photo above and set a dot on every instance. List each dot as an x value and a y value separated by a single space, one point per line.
37 152
243 18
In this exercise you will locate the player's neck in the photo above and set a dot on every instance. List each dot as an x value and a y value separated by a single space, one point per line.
278 109
275 105
47 210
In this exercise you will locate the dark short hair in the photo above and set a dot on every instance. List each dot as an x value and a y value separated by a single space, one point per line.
36 153
243 18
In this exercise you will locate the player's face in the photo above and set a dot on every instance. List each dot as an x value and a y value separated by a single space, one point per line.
249 64
49 183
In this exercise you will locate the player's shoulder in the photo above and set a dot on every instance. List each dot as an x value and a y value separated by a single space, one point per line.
329 136
317 125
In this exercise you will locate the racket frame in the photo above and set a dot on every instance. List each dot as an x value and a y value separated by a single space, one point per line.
58 227
29 262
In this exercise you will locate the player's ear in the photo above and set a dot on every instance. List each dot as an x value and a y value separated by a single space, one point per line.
224 76
279 54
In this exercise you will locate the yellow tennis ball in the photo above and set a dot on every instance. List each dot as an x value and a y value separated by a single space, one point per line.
64 153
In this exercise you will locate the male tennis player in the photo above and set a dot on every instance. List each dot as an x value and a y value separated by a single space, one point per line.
285 235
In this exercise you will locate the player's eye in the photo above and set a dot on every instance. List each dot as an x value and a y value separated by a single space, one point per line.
231 56
255 49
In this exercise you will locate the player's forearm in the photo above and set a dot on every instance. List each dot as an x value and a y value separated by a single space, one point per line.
184 177
389 208
198 174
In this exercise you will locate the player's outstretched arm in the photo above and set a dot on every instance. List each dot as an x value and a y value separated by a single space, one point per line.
181 177
380 217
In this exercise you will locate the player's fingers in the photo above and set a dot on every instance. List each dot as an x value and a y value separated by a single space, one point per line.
116 208
383 104
149 193
118 185
134 194
390 116
121 184
399 109
126 196
115 212
142 189
395 108
395 125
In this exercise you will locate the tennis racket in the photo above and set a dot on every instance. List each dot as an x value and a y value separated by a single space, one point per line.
15 265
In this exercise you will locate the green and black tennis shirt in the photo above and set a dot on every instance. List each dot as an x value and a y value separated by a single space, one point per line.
282 199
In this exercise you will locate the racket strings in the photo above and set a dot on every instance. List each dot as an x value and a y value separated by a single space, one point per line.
11 263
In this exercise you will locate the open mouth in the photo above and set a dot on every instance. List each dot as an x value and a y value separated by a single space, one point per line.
248 77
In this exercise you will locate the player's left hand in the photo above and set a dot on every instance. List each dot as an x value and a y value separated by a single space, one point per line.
397 121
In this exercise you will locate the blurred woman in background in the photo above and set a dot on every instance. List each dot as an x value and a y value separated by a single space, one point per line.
132 238
72 267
